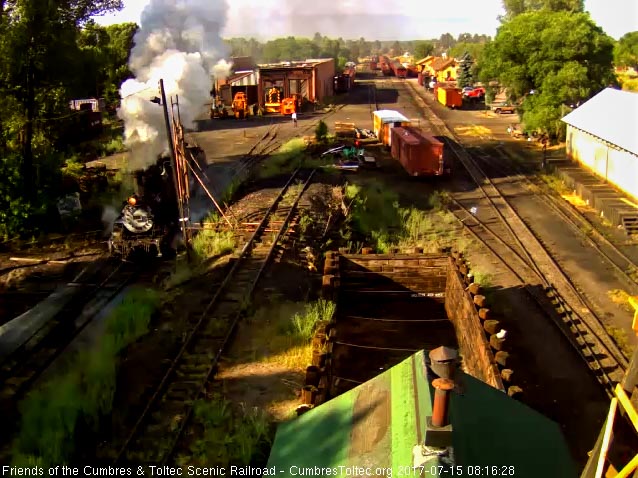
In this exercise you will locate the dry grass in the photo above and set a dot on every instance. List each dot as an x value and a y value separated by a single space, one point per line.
285 331
620 298
620 337
475 131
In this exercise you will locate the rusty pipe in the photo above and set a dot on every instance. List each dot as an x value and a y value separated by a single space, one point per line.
442 388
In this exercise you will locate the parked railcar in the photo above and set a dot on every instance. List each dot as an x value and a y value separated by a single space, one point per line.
419 154
448 96
398 69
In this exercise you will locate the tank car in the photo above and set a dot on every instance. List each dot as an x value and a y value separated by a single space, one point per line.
148 222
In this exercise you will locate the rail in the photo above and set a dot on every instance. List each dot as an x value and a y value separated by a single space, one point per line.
200 378
582 326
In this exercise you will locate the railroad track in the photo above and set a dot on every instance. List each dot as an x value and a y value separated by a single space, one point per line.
161 424
580 224
575 318
22 367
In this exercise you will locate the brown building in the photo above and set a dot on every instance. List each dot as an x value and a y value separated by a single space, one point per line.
312 79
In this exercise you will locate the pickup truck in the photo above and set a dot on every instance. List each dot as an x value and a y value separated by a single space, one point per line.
474 93
502 107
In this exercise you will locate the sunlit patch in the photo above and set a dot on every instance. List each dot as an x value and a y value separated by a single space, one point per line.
476 131
574 200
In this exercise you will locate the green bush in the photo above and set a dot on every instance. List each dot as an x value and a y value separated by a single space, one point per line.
209 243
321 131
84 393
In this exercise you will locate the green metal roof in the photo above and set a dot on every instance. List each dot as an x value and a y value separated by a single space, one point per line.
377 425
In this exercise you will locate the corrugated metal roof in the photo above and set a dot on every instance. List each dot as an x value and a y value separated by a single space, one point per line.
377 424
390 116
611 115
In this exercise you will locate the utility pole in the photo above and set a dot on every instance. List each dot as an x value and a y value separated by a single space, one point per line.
171 147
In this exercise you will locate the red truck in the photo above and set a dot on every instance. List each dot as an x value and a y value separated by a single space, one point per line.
474 94
419 154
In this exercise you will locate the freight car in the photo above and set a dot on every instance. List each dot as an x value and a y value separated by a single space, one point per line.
386 69
448 96
149 221
398 69
419 154
384 121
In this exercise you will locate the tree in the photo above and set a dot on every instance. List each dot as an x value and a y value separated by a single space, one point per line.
43 61
626 51
465 72
532 53
514 8
475 50
396 48
447 41
423 49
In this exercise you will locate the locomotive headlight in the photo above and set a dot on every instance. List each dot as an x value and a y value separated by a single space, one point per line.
132 201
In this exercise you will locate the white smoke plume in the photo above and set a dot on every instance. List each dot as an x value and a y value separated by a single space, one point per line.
109 215
180 42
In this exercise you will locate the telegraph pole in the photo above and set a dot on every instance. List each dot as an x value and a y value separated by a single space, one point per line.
171 147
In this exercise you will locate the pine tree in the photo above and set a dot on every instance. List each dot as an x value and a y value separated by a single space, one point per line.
465 72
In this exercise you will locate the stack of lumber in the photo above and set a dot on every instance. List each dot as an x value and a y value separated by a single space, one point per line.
344 129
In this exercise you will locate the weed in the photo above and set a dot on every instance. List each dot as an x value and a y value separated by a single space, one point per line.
303 325
305 222
484 279
229 193
208 243
51 414
181 274
230 437
620 298
321 131
620 337
287 158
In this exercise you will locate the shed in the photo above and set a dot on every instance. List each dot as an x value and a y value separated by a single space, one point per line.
378 425
601 136
384 120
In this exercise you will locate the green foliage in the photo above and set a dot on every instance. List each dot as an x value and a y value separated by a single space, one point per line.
303 325
514 8
285 160
626 51
230 437
209 243
465 72
321 131
533 52
375 213
423 49
51 415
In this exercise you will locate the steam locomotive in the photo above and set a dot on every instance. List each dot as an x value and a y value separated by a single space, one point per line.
148 222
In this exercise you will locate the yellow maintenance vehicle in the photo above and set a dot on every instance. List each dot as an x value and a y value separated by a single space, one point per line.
240 105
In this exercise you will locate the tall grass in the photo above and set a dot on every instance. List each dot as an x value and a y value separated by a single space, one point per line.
303 325
51 414
286 159
375 213
209 243
230 437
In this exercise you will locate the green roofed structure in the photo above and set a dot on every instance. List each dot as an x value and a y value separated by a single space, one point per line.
384 427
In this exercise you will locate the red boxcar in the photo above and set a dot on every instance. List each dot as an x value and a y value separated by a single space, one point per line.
420 154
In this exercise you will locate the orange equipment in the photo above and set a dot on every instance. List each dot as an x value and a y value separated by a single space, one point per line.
291 104
273 100
240 105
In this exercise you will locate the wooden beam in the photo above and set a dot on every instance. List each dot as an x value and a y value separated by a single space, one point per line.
609 426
